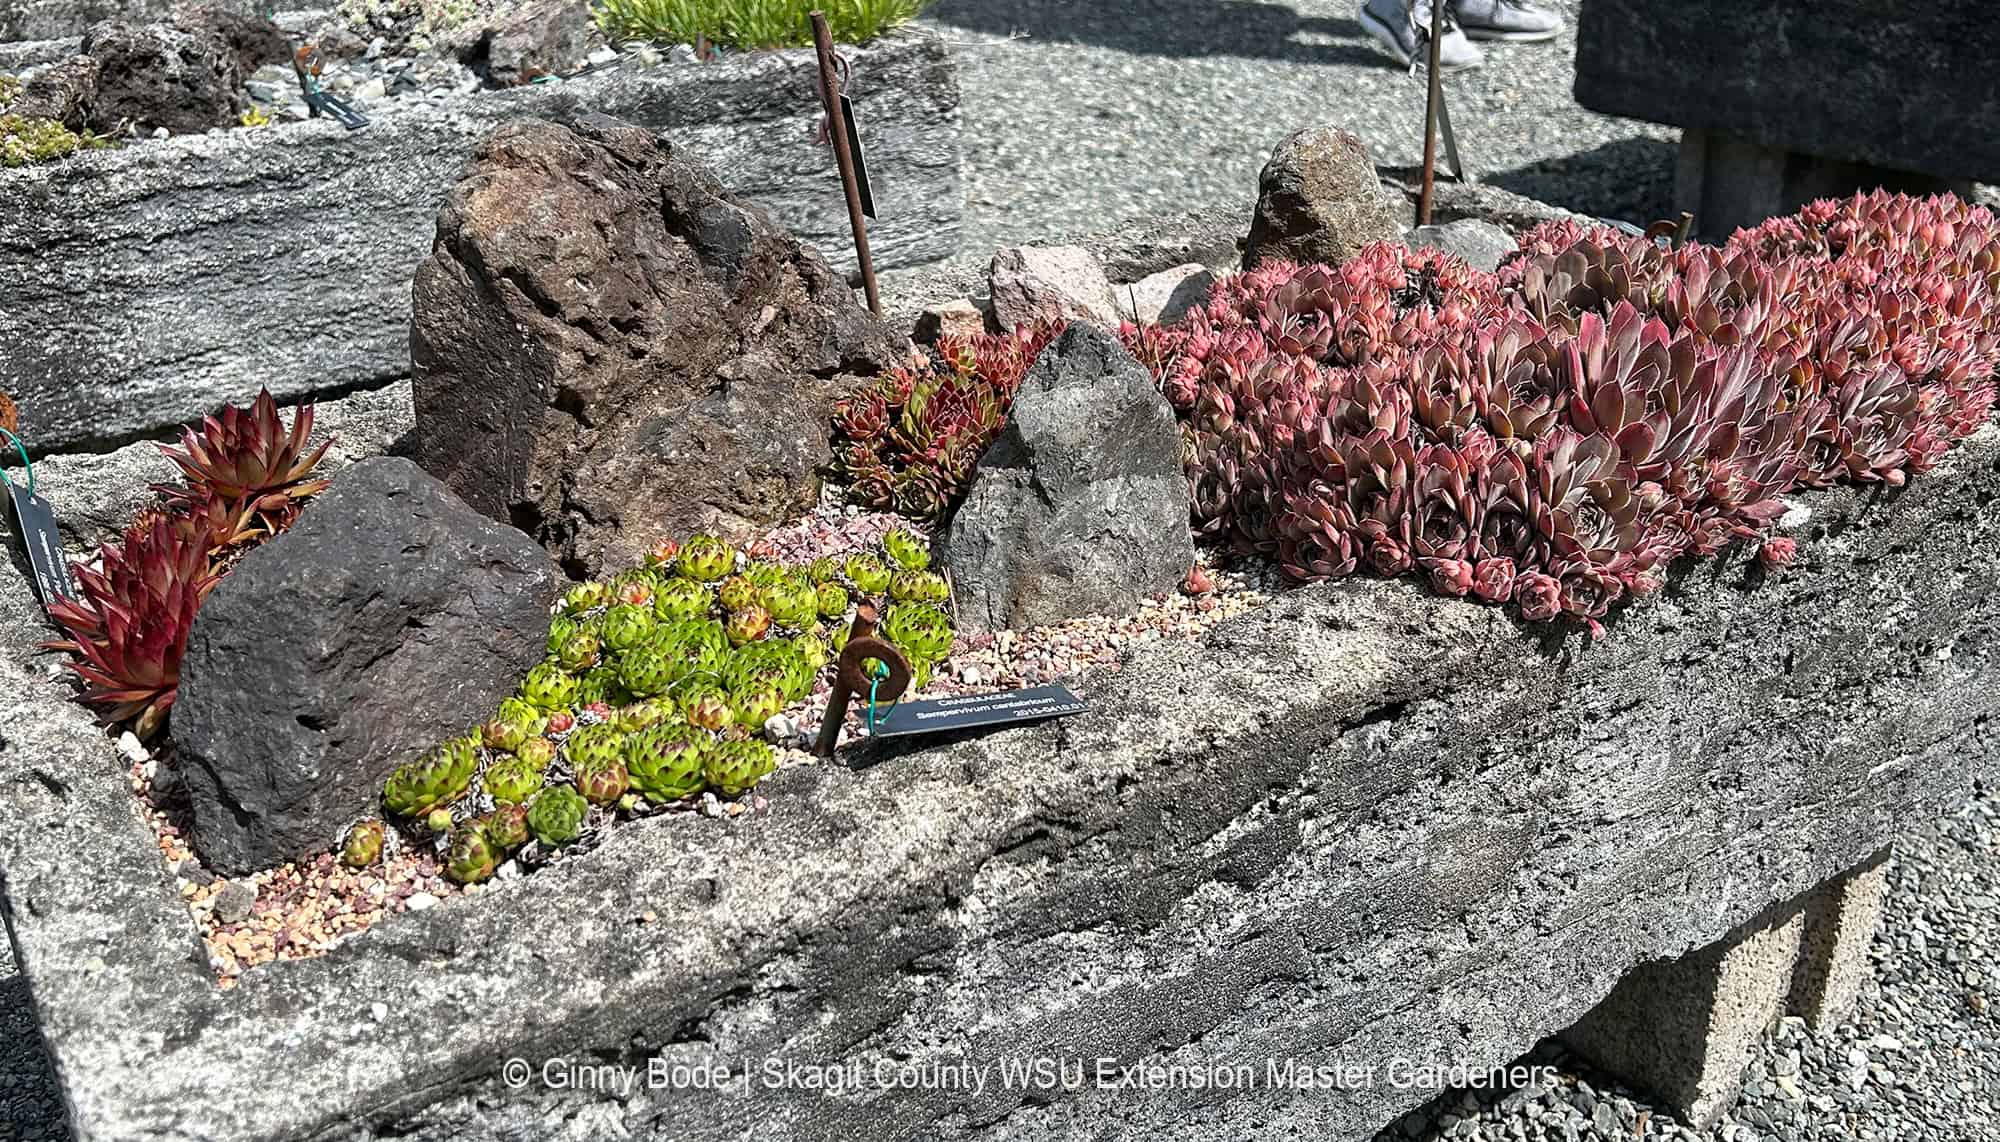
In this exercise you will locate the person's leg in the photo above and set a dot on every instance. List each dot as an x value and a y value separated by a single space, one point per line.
1518 21
1401 25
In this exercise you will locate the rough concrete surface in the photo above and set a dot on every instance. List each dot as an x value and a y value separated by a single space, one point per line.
1360 824
148 284
1840 923
1685 1028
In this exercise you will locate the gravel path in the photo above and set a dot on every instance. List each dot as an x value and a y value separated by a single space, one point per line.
1081 115
30 1107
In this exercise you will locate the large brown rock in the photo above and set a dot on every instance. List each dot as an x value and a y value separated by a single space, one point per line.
607 348
1319 200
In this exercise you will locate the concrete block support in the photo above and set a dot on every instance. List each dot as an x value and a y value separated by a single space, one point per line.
1840 923
1728 182
1685 1028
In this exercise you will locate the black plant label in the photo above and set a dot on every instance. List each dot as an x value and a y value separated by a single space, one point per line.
971 711
860 162
35 530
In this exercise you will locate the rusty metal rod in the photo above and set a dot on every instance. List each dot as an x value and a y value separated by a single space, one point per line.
858 632
1431 98
836 128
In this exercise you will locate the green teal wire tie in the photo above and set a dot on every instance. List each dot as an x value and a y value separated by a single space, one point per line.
25 463
881 671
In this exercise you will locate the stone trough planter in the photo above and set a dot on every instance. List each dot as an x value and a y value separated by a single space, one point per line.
1356 826
149 284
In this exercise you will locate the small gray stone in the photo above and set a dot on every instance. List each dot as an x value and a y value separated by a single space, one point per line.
1050 283
1481 244
233 901
1166 297
1081 506
961 318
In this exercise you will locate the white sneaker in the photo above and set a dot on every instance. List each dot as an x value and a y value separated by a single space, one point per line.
1395 23
1517 21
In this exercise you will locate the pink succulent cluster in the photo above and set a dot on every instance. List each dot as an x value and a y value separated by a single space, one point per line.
1555 434
908 440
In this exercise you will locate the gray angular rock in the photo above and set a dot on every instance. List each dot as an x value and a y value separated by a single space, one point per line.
255 39
532 38
963 317
61 91
1481 244
1080 507
1319 199
390 616
607 348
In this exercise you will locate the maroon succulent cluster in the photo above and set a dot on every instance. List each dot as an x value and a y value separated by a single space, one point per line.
247 478
1555 434
909 439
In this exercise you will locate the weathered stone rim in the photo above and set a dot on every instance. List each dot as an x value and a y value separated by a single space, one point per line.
143 1038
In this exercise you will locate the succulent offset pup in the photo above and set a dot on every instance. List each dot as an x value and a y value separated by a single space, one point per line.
363 844
433 781
556 817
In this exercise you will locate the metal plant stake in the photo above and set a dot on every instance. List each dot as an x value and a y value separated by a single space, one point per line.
843 153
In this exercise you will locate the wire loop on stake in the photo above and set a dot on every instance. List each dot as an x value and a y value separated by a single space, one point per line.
25 462
880 672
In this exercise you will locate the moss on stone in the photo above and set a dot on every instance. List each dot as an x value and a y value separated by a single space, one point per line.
24 141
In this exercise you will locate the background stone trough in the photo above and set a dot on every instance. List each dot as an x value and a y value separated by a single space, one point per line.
1359 825
147 285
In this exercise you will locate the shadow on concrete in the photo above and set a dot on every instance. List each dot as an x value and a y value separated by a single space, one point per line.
31 1103
1629 179
1180 28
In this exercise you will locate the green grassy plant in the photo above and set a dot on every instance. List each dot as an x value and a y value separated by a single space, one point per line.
749 24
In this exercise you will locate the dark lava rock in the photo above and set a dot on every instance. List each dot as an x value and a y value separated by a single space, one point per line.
62 91
1081 506
1319 200
389 617
608 349
255 39
161 75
